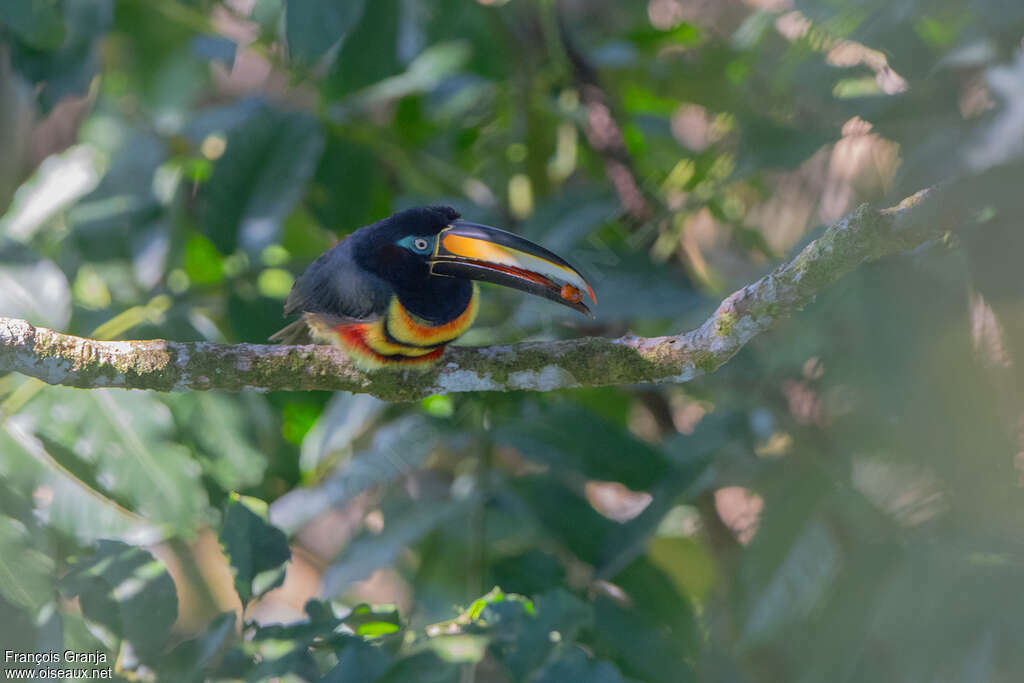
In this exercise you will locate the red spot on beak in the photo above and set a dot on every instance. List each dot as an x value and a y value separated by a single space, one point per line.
571 293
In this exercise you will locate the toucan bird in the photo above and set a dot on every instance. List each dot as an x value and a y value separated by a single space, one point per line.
395 293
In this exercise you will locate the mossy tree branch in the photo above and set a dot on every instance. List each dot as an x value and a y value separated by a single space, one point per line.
864 235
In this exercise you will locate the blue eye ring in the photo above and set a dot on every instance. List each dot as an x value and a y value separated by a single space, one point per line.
417 244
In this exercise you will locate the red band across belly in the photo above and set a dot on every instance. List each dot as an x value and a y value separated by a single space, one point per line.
353 339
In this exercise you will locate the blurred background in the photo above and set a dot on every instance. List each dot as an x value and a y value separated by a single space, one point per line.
843 501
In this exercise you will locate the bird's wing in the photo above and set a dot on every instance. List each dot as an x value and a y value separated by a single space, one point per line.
336 285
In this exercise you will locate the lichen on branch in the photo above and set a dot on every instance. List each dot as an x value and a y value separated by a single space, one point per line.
864 235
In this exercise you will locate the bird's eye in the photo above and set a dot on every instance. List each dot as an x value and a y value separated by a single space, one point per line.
420 244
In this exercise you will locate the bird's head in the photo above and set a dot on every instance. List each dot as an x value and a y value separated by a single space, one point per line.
413 247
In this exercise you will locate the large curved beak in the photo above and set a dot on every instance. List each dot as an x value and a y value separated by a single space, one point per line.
480 252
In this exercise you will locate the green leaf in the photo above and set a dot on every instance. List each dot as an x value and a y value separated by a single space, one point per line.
354 167
370 52
44 632
459 649
687 562
69 504
37 23
652 635
565 516
526 635
257 551
226 433
192 658
422 667
257 182
693 455
298 662
424 74
345 418
398 447
566 437
127 591
478 605
402 527
321 625
373 617
797 585
376 628
123 442
359 662
577 666
26 574
204 265
313 27
69 60
768 145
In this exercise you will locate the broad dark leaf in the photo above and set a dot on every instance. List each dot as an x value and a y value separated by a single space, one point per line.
567 437
257 550
370 54
313 27
524 640
127 591
40 25
577 666
566 516
425 667
262 174
61 59
650 635
191 658
359 662
296 662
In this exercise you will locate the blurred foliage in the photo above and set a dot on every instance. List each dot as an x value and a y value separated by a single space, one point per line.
842 502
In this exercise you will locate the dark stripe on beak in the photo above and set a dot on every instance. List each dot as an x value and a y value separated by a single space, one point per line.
480 252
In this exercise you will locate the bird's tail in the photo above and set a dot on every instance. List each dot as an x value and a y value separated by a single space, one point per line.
293 334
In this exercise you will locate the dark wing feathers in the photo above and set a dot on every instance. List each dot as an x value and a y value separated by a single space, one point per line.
335 284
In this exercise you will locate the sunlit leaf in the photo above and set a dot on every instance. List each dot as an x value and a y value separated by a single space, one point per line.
397 448
123 440
65 502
